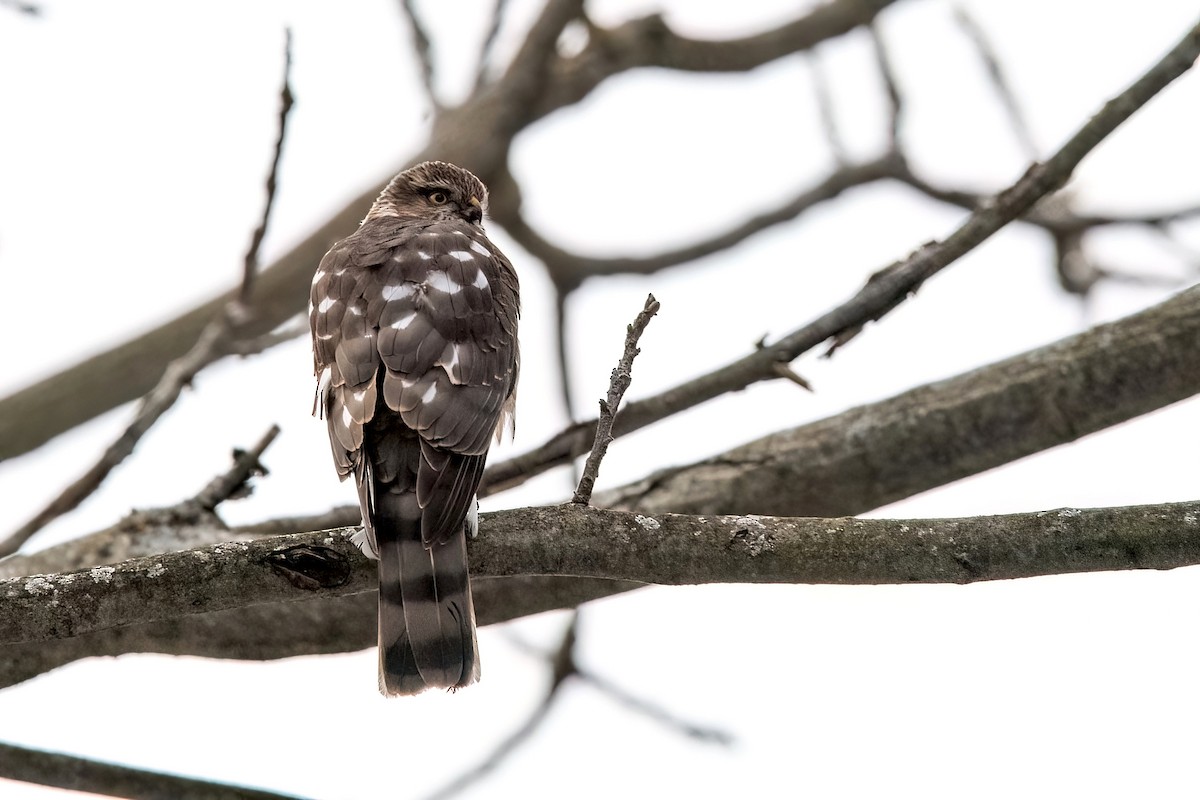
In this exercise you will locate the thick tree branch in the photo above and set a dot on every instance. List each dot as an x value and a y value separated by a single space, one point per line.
927 437
476 135
886 289
667 549
284 630
115 780
649 42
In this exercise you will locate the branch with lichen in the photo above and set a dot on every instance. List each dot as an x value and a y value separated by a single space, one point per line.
573 540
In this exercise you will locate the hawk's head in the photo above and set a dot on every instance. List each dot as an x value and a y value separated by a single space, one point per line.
433 190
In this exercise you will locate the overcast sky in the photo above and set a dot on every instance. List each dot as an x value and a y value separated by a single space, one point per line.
135 140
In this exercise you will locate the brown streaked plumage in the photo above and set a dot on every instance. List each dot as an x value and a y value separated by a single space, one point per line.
414 325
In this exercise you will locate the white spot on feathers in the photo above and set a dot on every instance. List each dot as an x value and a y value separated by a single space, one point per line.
397 291
319 274
424 256
478 247
326 304
430 393
443 283
404 321
347 419
481 281
462 255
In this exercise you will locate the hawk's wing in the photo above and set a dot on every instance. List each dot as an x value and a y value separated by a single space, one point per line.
417 319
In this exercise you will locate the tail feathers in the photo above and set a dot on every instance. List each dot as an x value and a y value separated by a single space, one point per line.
426 618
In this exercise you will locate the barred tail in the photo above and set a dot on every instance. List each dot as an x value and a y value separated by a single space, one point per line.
426 618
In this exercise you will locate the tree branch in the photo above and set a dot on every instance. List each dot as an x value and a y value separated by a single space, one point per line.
476 135
886 289
622 375
932 435
568 269
115 780
213 343
667 549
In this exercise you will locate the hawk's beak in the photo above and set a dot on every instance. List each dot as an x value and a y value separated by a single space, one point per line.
475 212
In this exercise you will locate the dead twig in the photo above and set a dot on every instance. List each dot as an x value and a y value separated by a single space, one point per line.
286 101
999 81
423 48
829 126
232 483
489 42
564 667
621 378
887 74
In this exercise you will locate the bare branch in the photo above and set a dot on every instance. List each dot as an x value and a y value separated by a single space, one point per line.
286 101
564 667
489 41
293 328
115 780
886 289
650 42
213 344
568 270
878 453
692 730
883 62
829 126
283 630
179 373
667 549
231 483
21 7
998 80
477 134
621 378
422 48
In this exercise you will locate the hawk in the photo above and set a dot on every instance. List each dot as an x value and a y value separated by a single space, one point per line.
414 330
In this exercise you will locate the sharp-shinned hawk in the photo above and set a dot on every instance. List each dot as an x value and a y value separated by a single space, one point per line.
414 327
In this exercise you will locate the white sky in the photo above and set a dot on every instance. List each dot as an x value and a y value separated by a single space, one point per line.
135 139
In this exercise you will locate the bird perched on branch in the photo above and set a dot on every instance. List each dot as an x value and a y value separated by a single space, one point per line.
414 327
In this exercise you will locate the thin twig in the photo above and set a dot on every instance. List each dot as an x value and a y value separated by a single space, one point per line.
294 328
692 730
286 101
233 481
621 377
887 74
179 373
115 780
213 343
423 48
829 126
886 290
489 42
564 667
560 341
998 80
20 7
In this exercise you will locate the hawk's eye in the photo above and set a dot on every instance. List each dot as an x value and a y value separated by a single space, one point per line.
438 197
